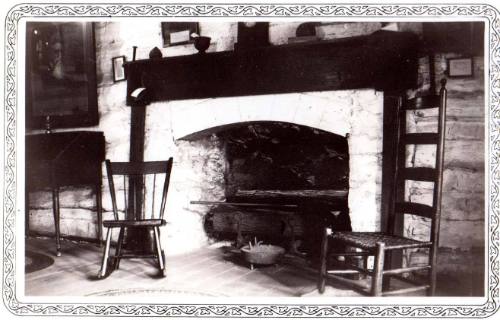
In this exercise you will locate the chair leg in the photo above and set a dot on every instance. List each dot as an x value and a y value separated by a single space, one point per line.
159 252
57 215
322 261
27 211
432 272
386 282
118 250
378 268
99 213
104 264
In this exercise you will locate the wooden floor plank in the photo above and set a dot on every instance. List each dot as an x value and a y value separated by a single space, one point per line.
207 270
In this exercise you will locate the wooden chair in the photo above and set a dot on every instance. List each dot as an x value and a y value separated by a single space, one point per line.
143 207
384 245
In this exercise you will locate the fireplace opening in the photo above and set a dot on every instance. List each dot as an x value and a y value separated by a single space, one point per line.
283 183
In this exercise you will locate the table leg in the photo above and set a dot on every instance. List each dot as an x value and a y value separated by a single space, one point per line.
55 204
27 212
99 213
323 261
118 251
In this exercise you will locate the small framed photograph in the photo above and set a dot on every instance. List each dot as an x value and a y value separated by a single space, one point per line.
176 33
118 70
460 67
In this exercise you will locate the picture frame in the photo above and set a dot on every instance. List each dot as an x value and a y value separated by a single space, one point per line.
61 88
118 69
460 67
178 33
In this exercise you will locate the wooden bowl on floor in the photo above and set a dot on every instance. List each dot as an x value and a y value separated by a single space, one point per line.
264 254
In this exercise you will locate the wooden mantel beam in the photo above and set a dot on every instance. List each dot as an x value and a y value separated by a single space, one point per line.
384 61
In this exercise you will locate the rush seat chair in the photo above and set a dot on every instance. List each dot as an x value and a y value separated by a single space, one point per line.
383 245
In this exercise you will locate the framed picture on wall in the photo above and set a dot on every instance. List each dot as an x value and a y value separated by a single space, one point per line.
118 70
460 67
176 33
60 75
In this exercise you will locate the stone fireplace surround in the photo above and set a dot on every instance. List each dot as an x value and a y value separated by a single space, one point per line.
333 85
355 114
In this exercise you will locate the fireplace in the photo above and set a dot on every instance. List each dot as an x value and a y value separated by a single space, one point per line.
282 183
350 121
288 158
351 102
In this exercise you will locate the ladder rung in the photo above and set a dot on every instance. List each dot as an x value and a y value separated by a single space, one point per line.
421 138
403 270
348 271
419 174
425 102
134 256
405 290
415 208
351 254
405 279
354 284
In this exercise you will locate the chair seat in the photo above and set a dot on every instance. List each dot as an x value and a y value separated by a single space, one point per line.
134 223
368 240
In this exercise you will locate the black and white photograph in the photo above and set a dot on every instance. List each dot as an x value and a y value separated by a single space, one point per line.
307 161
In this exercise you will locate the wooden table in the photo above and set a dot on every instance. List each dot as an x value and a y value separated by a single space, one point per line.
62 159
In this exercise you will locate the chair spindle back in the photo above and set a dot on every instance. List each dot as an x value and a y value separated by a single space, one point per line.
139 188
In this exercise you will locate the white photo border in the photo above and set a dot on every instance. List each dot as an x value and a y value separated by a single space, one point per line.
403 11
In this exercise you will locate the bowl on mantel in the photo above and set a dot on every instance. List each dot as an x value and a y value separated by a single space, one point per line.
202 43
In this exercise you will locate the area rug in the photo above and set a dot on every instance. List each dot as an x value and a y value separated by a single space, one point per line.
160 292
34 261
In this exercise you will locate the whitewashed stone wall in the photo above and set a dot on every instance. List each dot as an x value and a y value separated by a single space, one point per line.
357 114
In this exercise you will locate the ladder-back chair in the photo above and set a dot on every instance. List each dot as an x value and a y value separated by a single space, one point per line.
142 189
382 245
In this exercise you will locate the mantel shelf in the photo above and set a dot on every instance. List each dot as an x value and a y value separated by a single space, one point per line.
384 61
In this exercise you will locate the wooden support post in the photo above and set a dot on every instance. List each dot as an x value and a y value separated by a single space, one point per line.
137 239
392 103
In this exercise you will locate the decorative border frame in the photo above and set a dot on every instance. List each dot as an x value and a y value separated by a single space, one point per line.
12 76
